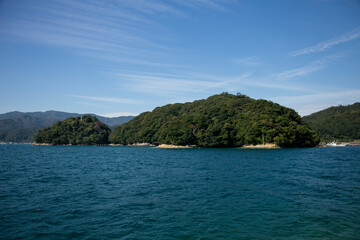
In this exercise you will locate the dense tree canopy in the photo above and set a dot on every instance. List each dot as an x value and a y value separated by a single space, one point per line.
336 123
223 120
86 130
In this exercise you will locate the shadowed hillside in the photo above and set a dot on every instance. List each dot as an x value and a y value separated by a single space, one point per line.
21 127
336 123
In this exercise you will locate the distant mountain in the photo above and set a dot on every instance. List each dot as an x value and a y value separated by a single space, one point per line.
336 123
46 115
115 121
59 116
22 126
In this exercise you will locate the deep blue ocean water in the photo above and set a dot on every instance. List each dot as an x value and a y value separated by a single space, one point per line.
146 193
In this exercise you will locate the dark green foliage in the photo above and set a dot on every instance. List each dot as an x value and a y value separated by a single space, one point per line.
22 127
23 135
223 120
86 130
336 123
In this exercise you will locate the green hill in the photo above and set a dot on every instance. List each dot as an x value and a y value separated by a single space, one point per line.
223 120
22 127
336 123
86 130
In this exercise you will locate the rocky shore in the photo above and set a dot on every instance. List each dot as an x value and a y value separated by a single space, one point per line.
262 146
173 146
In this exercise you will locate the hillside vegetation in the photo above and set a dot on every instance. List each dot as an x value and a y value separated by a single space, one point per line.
86 130
336 123
22 127
223 120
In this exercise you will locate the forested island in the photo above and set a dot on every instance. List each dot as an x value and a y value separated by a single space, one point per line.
85 130
223 120
336 123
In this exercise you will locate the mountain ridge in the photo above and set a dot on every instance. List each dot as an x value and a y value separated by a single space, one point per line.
19 126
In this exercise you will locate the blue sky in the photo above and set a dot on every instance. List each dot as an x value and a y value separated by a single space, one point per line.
129 56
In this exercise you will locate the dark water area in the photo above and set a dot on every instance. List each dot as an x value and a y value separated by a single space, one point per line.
146 193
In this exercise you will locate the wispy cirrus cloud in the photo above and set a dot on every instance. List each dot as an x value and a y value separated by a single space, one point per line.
271 85
109 99
151 7
127 31
352 35
337 96
248 61
118 114
218 5
308 69
165 84
309 103
185 84
300 72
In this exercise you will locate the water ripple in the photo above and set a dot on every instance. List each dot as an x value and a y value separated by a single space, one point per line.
145 193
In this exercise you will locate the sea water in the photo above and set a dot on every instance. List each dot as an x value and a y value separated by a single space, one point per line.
147 193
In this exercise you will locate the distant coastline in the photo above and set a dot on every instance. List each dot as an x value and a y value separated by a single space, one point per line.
262 146
164 146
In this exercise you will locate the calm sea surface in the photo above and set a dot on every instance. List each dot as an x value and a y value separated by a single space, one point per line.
146 193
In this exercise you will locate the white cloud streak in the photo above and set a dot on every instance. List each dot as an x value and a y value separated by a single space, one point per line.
210 4
354 34
248 61
310 68
310 103
109 99
300 72
118 114
165 85
180 85
119 31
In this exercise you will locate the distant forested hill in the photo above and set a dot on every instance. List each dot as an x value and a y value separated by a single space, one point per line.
21 127
85 130
223 120
336 123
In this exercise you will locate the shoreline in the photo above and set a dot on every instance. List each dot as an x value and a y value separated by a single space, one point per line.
171 146
262 146
41 144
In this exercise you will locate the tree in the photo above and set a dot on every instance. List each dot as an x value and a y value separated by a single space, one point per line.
85 130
